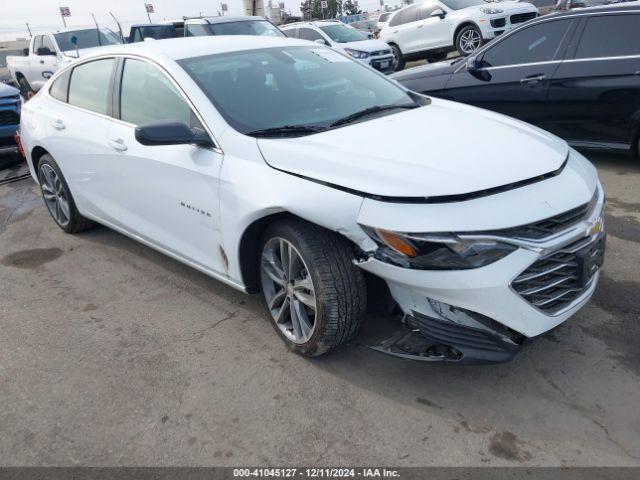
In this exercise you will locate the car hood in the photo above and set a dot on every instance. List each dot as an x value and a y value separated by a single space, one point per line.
440 149
446 67
7 90
366 45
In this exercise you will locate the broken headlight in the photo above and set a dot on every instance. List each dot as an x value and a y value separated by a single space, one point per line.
424 251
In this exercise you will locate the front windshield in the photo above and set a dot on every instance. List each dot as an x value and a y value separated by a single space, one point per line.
460 4
340 33
86 38
290 86
249 27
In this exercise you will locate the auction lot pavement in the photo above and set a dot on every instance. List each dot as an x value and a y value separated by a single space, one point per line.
112 354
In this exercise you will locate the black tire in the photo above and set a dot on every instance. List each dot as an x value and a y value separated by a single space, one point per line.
339 286
467 30
76 223
436 57
400 62
25 89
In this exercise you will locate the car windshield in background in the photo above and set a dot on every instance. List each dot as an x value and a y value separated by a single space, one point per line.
460 4
342 34
303 89
86 39
249 27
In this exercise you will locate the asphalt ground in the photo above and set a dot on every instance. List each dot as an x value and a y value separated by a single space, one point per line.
112 354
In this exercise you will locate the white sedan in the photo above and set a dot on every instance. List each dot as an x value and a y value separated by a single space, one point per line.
287 168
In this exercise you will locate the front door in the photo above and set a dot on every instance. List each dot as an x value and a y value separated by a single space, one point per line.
513 75
168 194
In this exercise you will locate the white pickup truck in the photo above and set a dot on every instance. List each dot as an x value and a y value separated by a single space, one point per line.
48 51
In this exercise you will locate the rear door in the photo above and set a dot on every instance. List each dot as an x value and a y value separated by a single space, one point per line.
404 27
433 32
594 96
514 73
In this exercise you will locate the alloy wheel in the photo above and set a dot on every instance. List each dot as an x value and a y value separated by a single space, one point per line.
54 195
288 290
470 41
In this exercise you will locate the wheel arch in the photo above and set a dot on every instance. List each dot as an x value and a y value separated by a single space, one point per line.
37 153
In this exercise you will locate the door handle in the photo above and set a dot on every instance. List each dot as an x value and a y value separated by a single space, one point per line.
396 31
533 79
420 26
58 125
118 144
637 74
42 61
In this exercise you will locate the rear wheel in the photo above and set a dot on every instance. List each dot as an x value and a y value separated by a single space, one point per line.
58 199
25 89
400 63
314 294
468 40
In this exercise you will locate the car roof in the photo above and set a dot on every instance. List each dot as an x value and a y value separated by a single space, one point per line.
215 20
623 7
188 47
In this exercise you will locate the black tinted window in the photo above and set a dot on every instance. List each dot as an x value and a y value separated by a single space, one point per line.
538 43
610 36
89 86
147 95
60 87
309 34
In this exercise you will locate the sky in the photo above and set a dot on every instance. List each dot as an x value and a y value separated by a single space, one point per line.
44 14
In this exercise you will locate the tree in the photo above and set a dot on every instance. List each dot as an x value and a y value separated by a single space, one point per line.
350 8
311 9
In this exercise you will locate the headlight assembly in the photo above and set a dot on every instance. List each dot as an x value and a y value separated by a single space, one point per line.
356 53
423 251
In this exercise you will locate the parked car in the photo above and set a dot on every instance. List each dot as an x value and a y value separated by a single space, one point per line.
49 51
571 4
575 74
283 167
205 26
158 31
10 105
344 38
383 19
433 28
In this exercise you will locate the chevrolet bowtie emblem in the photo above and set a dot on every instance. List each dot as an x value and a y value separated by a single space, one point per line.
596 228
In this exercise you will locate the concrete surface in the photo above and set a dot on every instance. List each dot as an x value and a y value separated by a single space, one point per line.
111 354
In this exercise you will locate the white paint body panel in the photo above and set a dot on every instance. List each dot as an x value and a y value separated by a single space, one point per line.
140 191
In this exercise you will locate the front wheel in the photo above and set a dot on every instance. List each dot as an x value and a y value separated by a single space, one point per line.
468 40
314 294
400 63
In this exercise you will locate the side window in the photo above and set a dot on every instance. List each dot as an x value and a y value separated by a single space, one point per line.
147 95
37 43
89 85
538 43
309 34
609 36
48 43
291 32
410 14
195 30
60 87
425 9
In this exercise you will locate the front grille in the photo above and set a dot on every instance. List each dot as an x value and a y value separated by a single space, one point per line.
498 22
557 280
522 17
380 52
549 226
9 118
10 100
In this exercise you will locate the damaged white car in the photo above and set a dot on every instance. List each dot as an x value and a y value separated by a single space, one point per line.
283 167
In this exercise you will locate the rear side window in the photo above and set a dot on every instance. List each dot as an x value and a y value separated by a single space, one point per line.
147 95
291 32
610 36
89 85
60 87
538 43
309 34
196 30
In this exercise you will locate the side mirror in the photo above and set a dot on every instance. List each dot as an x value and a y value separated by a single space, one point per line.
320 41
472 63
44 51
438 12
171 132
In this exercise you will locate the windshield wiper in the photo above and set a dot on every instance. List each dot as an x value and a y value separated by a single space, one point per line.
286 130
368 111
